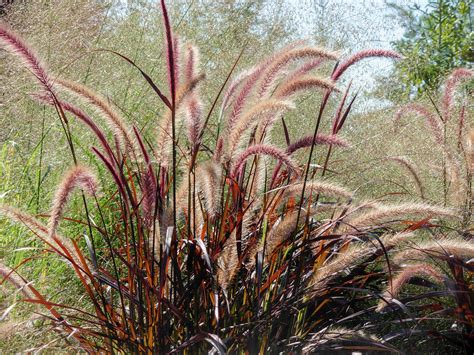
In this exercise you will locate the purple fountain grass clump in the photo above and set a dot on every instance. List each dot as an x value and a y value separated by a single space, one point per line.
364 54
453 81
15 45
78 177
263 149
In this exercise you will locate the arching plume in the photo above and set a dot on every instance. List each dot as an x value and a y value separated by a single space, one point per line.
304 83
115 122
324 139
15 45
285 58
227 262
432 121
364 54
78 177
397 282
453 81
403 161
265 150
400 211
252 117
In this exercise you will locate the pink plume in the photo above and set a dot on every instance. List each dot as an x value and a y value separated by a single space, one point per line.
367 53
431 119
453 81
262 149
193 119
307 141
77 177
15 45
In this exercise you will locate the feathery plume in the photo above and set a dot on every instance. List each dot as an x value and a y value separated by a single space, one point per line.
176 56
193 109
428 249
393 212
304 69
322 139
77 177
208 179
218 151
431 120
191 62
115 122
367 53
323 339
303 83
265 150
232 88
280 233
164 143
453 81
239 102
461 125
15 45
7 274
243 86
228 262
252 117
408 272
57 241
403 161
352 256
275 68
470 150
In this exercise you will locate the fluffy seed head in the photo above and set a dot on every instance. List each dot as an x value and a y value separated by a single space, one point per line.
324 139
453 81
228 262
428 249
265 150
397 282
394 212
252 117
285 58
368 53
115 122
15 45
303 83
403 161
78 177
193 109
208 179
431 120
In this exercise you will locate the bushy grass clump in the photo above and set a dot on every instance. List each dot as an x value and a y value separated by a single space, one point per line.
193 239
